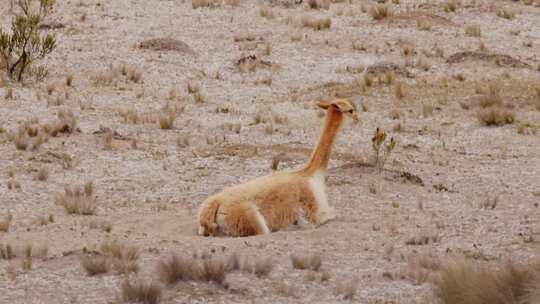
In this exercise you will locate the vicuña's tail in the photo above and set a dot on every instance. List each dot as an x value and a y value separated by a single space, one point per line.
207 217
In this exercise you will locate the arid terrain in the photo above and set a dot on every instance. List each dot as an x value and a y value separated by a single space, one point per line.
161 103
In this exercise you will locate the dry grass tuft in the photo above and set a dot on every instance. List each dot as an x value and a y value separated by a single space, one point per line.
505 13
260 266
399 91
192 88
174 269
94 265
44 220
267 12
103 225
9 94
6 222
423 24
451 5
421 268
496 116
214 270
141 292
317 24
283 289
492 97
311 262
318 4
200 3
493 111
470 282
78 199
233 3
131 73
473 30
28 136
423 238
66 122
108 139
43 174
166 120
123 257
537 90
380 11
69 80
7 252
346 289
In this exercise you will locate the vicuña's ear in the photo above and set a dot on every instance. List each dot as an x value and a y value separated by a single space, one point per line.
324 104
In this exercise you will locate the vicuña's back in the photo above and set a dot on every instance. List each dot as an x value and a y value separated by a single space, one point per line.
277 201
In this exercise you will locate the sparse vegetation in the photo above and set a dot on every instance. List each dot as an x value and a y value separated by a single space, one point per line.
318 4
209 269
399 91
267 12
423 238
380 11
537 101
317 24
381 147
423 25
311 262
346 289
43 174
471 282
158 125
450 5
140 291
123 258
473 30
175 268
495 116
7 252
166 120
95 265
505 13
78 199
6 222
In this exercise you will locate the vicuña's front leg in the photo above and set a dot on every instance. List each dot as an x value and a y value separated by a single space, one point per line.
319 216
326 215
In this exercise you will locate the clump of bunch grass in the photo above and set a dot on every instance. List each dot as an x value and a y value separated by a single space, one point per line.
311 262
472 282
95 265
6 222
317 24
473 30
140 291
123 258
381 147
380 11
78 199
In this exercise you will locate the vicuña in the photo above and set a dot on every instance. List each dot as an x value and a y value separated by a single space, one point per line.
277 201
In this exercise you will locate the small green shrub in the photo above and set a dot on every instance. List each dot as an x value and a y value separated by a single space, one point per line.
24 45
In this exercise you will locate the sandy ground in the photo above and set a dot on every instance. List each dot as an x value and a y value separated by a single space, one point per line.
149 194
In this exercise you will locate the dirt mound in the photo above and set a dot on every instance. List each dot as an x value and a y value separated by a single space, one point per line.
166 44
384 67
421 15
504 60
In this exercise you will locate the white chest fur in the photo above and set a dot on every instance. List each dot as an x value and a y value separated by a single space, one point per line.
318 187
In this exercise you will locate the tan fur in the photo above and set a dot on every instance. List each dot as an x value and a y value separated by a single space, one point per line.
277 201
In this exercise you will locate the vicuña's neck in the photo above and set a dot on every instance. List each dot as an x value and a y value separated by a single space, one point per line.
321 155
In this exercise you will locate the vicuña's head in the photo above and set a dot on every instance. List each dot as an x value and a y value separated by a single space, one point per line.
339 105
